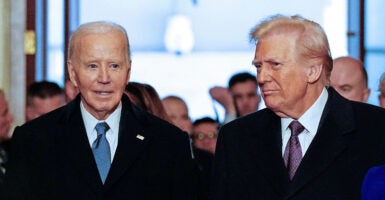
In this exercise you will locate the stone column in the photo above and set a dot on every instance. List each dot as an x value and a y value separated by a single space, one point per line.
5 46
17 91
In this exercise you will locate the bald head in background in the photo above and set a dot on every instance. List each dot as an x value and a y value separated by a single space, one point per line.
350 79
177 111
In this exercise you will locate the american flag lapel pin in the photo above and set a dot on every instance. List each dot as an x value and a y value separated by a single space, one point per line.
140 137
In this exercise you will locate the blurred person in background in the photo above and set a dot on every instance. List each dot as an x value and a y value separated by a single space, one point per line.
43 97
373 187
146 97
205 133
177 111
381 89
6 120
240 98
350 79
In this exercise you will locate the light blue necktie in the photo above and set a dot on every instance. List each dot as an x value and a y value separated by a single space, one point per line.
101 150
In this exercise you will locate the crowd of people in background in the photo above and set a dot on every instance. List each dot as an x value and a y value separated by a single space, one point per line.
245 156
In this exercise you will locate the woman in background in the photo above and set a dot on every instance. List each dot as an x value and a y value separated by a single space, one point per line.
373 187
145 96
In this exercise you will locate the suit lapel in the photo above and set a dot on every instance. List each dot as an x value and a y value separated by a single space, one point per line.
78 150
330 141
133 139
74 146
268 152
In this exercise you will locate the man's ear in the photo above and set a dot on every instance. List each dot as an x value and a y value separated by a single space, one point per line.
71 73
29 113
314 73
129 71
366 95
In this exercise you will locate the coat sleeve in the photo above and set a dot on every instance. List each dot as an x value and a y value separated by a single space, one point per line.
17 171
219 173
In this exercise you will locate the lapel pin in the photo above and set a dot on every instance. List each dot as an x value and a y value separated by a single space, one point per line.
140 137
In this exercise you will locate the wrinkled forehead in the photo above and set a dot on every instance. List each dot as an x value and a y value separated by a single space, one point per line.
106 36
277 47
93 30
286 37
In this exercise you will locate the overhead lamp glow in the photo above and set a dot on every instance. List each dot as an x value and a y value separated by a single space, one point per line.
179 37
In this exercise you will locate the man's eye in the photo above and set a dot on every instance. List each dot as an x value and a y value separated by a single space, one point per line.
251 95
114 66
346 88
236 97
275 64
92 66
257 65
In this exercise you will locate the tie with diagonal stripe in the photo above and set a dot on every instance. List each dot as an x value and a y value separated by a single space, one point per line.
101 150
293 153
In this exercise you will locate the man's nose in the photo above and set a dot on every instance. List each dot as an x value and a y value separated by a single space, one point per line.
104 75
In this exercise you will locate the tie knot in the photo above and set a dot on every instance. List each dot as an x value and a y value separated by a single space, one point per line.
101 128
296 128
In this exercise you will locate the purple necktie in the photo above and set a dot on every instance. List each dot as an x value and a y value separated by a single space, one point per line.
293 152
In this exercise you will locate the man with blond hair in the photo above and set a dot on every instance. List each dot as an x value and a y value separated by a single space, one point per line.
309 142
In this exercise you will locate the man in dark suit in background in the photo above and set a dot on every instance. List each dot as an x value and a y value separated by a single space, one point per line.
178 114
309 143
99 146
43 97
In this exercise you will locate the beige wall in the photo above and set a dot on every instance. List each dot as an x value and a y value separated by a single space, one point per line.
12 59
4 46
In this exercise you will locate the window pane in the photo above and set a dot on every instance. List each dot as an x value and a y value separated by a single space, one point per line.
374 45
55 42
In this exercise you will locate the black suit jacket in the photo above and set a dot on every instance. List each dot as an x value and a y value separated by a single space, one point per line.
203 160
3 160
51 158
248 163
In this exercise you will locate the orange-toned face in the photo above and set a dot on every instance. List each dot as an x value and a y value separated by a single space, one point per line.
100 68
283 76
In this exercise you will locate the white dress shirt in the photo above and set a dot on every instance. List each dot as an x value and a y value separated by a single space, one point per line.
112 121
310 121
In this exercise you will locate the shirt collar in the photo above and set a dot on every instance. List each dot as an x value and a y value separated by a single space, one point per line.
112 120
311 118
